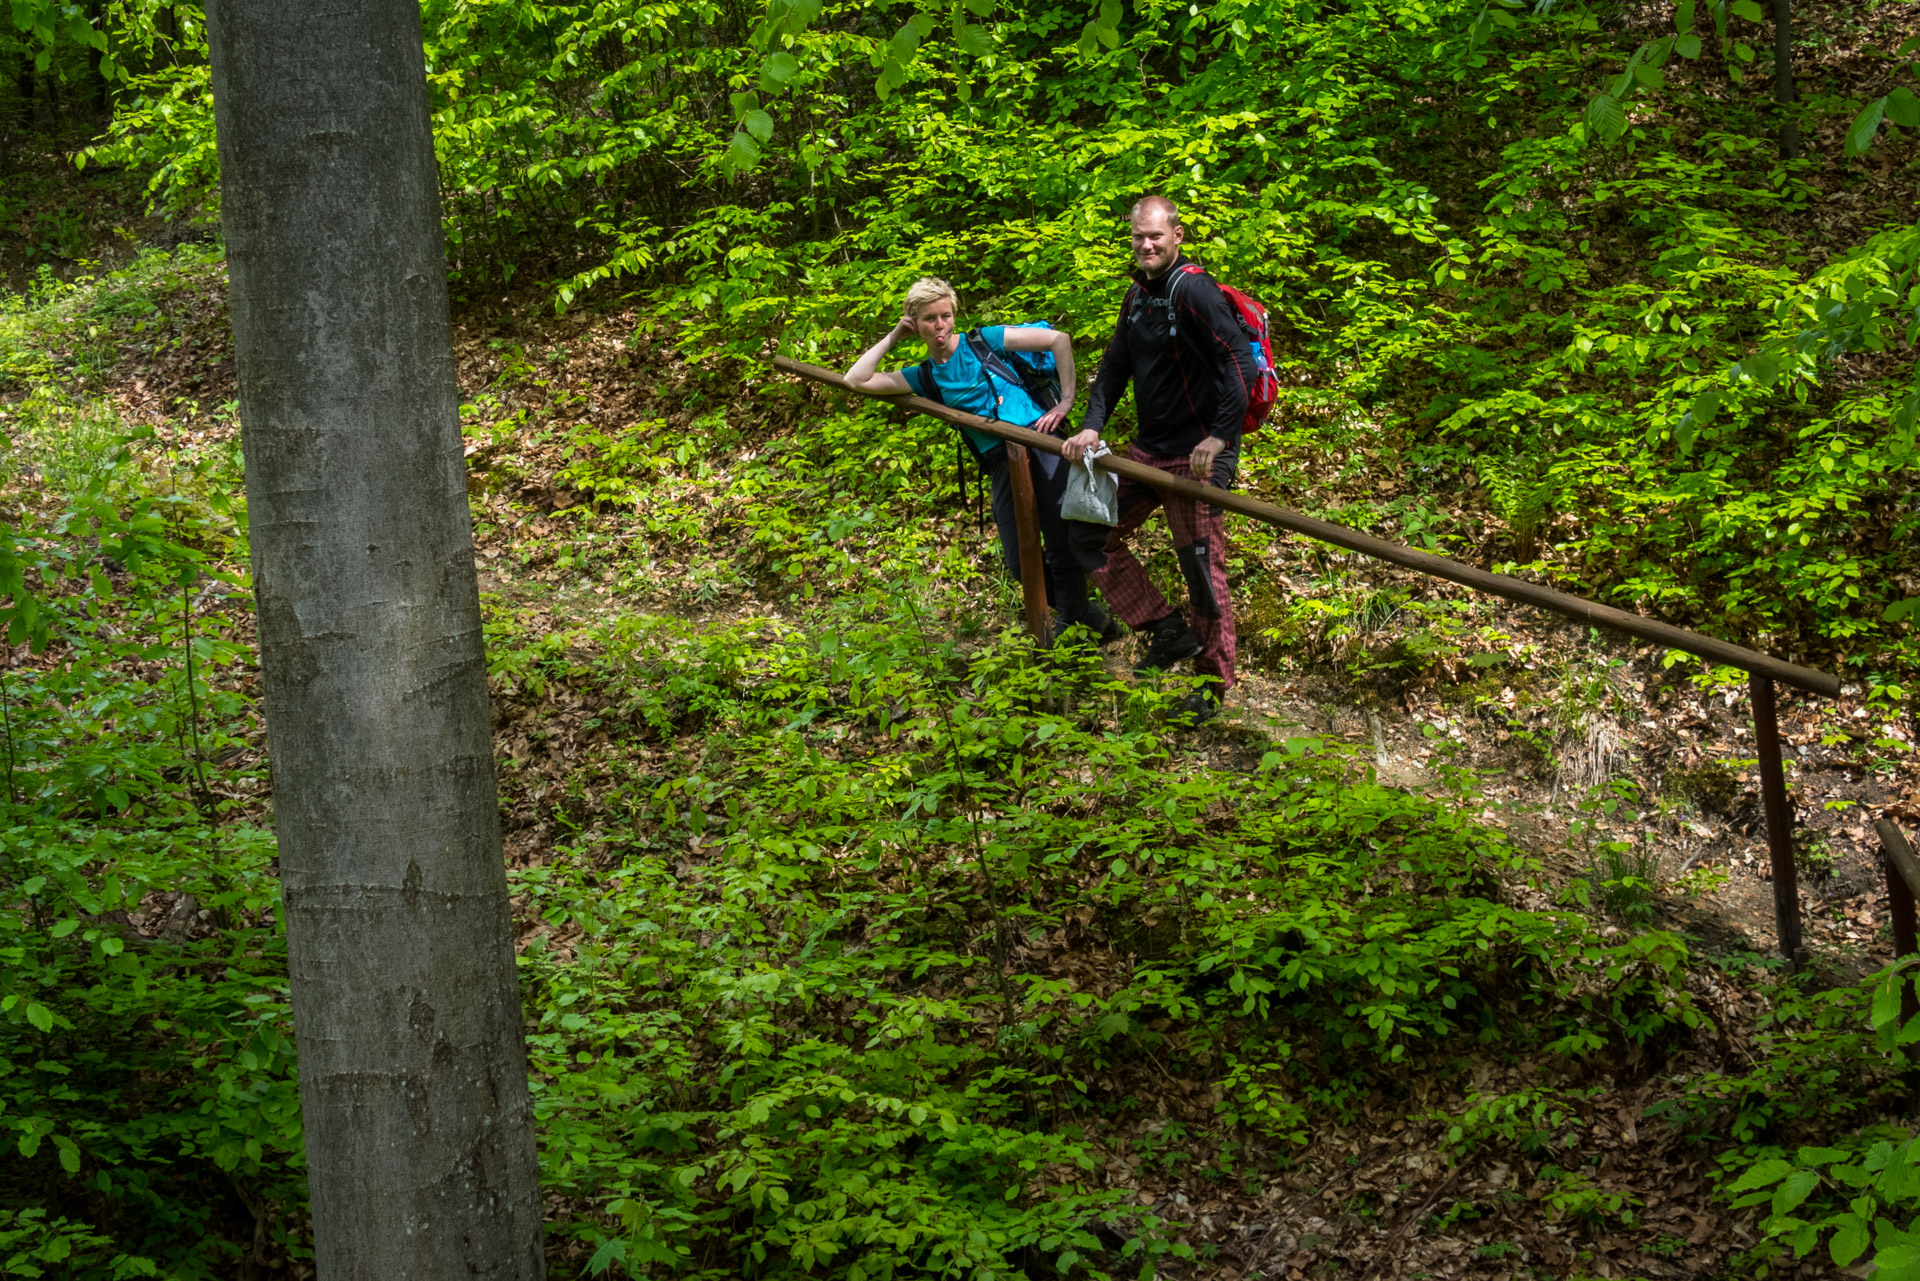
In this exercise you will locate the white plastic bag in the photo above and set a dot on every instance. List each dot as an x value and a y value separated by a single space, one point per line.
1093 495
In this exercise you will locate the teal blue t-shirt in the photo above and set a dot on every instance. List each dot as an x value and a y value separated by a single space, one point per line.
966 385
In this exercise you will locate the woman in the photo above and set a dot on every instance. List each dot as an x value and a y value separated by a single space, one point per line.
956 376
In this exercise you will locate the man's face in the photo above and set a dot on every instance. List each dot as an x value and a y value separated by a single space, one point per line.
1156 242
934 321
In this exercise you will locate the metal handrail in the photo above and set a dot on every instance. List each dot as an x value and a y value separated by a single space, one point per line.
1762 669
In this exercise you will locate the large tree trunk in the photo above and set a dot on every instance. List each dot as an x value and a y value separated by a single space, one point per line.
413 1073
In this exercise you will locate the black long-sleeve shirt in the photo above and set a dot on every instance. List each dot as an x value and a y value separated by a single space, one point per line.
1187 358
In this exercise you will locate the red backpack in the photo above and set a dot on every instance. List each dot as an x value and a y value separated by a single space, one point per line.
1263 387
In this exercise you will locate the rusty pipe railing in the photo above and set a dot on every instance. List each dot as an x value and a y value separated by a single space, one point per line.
1763 670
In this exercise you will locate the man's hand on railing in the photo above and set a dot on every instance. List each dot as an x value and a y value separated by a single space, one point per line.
1204 453
1074 448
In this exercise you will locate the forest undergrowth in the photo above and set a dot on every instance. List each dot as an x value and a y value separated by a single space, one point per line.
859 938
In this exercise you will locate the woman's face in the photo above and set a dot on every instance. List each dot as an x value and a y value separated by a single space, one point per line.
934 322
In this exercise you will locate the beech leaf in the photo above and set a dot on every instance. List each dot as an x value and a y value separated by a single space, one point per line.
1865 126
1903 108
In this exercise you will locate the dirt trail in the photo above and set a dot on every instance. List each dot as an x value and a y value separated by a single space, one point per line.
1695 815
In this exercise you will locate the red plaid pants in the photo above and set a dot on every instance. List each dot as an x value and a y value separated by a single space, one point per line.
1200 542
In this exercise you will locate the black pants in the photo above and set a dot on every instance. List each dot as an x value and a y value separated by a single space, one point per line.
1066 581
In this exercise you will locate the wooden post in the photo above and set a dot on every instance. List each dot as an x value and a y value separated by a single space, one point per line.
1033 567
1903 876
1773 797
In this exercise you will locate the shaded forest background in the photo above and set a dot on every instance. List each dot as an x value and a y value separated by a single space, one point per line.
859 939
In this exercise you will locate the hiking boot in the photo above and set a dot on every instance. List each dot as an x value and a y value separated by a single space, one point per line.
1196 709
1173 642
1106 629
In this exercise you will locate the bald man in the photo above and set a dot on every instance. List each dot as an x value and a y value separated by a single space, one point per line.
1180 344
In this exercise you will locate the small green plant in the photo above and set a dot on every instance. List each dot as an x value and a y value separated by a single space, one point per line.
32 1246
1530 1121
615 468
1814 855
58 233
1520 490
1627 874
1572 1194
1858 1198
1624 872
63 446
1703 880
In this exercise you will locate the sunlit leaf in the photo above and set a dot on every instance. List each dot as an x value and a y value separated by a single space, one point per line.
780 68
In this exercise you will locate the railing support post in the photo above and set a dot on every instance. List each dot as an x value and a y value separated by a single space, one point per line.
1773 797
1033 569
1902 873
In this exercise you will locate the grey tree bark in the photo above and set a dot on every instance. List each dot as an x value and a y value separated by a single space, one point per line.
413 1072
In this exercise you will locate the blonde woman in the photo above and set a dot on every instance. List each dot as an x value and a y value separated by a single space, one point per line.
971 372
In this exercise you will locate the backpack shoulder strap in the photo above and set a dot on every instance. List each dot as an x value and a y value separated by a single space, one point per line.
1173 286
989 359
929 387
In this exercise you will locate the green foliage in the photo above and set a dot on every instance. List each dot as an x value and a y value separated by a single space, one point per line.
1823 1063
32 1247
1532 1121
805 1025
148 1076
1861 1194
1624 872
1520 490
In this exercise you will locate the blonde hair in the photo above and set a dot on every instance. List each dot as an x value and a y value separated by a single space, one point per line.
930 289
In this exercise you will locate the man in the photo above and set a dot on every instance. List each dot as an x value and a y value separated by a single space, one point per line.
955 375
1179 342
